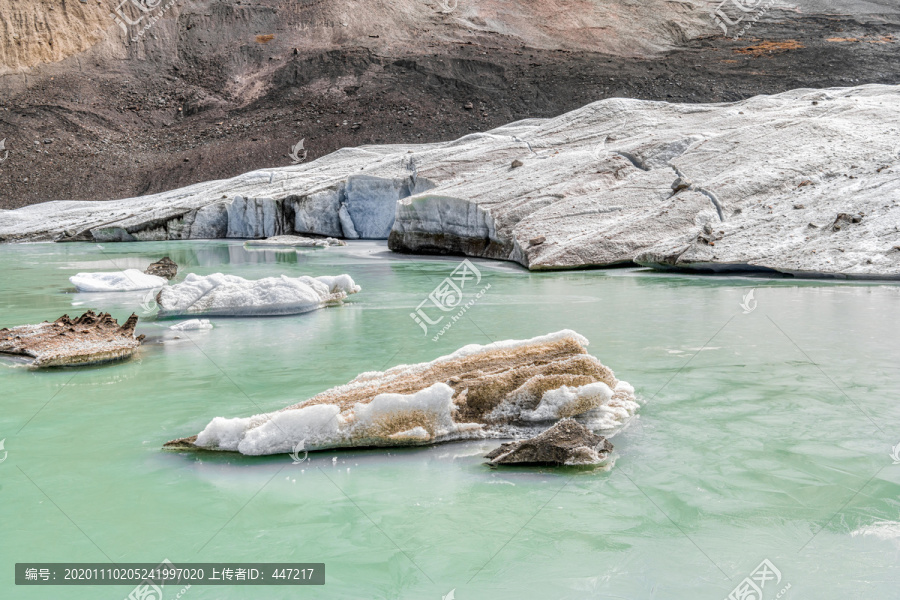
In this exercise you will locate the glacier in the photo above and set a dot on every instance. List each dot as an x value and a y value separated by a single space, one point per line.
806 182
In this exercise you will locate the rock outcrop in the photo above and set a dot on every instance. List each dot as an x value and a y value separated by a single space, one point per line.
229 295
478 391
164 267
88 340
754 185
566 443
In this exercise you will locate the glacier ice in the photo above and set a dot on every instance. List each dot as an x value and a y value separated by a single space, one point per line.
116 281
229 295
492 390
192 325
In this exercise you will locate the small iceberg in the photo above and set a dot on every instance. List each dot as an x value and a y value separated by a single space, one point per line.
294 241
498 390
232 296
192 325
128 280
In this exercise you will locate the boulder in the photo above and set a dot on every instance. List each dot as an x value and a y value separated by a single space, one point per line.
475 392
164 267
566 443
88 340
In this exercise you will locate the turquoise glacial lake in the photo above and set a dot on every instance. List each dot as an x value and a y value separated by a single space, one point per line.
764 435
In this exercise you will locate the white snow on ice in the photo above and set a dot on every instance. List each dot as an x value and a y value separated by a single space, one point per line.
191 325
116 281
325 426
230 295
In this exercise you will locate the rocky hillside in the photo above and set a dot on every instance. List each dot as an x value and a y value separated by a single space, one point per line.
194 90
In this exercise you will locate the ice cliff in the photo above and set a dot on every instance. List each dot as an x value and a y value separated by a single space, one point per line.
478 391
806 182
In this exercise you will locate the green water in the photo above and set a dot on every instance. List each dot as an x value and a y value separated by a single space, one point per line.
772 442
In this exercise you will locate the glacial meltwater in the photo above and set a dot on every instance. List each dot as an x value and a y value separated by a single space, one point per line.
769 430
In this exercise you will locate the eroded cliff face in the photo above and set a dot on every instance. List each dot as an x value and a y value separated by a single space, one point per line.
195 90
36 32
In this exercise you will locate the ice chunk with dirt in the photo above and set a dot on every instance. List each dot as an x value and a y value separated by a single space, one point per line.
192 325
90 339
230 295
128 280
495 390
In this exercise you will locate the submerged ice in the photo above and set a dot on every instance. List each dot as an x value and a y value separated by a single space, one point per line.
494 390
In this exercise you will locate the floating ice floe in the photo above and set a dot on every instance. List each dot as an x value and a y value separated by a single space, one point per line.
88 340
294 241
883 530
128 280
230 295
497 390
192 325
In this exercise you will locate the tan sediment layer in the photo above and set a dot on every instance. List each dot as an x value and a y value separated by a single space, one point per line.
491 386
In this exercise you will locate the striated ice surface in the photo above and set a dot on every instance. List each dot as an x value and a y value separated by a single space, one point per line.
230 295
804 182
128 280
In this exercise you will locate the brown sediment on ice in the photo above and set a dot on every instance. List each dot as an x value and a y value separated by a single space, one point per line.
164 267
482 381
476 392
566 443
87 340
